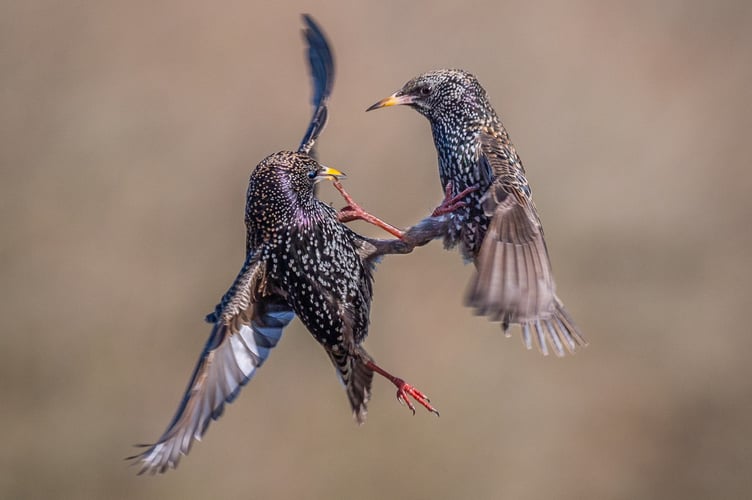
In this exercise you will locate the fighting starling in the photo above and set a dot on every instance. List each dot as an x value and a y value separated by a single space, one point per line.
300 260
498 227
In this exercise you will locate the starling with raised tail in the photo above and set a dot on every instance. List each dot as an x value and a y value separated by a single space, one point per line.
498 228
300 260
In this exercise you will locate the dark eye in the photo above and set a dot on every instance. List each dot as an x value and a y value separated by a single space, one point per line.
312 174
424 91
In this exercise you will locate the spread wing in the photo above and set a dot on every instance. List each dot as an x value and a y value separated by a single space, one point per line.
247 325
321 65
514 282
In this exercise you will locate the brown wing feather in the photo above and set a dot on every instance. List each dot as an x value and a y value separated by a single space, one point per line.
514 282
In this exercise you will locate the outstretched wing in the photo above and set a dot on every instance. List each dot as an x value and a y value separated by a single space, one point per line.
246 327
321 65
514 282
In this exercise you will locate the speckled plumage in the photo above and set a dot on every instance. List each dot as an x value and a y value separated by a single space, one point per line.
248 321
321 265
498 228
300 261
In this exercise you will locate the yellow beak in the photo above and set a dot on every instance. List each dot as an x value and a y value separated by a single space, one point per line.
330 174
392 100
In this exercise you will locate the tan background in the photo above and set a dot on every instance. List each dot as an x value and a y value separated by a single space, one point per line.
127 133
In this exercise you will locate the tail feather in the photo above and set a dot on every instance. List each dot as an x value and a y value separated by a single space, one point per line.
356 377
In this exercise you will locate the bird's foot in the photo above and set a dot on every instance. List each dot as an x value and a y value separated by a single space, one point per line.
348 214
353 211
404 390
452 202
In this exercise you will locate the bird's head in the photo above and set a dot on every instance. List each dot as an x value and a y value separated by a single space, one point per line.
292 173
439 93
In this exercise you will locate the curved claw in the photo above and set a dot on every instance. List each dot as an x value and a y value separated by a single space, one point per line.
452 203
404 390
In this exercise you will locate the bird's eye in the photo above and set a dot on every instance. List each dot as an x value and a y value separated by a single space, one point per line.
424 91
312 174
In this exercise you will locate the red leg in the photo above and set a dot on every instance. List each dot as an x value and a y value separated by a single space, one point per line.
353 212
452 203
404 389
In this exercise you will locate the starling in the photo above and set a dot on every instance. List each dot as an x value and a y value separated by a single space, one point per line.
498 227
300 260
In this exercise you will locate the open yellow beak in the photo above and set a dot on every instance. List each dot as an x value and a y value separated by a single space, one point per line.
329 174
392 100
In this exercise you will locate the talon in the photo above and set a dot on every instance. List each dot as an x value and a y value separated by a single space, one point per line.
408 404
402 398
404 390
452 203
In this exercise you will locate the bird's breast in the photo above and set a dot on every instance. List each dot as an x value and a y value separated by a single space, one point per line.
469 223
319 268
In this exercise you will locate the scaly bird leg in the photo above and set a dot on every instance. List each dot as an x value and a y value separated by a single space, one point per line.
404 389
353 212
452 203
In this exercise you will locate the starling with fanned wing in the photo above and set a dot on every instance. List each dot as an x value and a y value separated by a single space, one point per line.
300 261
497 227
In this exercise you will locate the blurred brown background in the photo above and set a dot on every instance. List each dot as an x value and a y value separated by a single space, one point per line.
127 134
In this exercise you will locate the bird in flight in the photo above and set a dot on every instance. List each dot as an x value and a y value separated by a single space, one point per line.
496 226
300 261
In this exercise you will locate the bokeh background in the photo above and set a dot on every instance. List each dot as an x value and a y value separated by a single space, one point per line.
127 134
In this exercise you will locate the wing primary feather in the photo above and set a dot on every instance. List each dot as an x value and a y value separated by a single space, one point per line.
554 337
526 336
228 361
541 337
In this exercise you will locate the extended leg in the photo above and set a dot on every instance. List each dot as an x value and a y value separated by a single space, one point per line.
353 212
452 203
403 389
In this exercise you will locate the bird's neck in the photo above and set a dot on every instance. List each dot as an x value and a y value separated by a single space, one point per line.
277 206
458 149
456 136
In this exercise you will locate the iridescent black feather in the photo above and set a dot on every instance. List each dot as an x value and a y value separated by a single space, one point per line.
300 260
